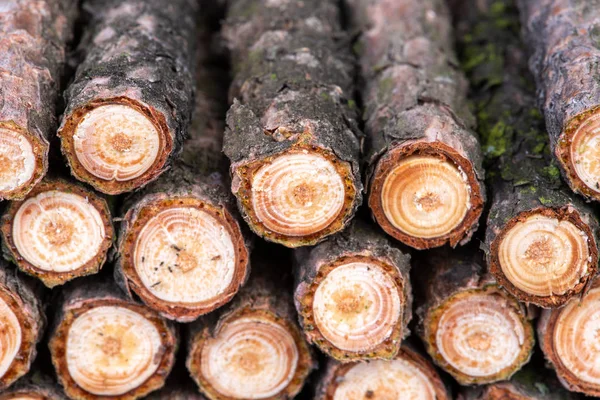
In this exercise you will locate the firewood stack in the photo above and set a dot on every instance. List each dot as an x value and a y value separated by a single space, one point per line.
312 199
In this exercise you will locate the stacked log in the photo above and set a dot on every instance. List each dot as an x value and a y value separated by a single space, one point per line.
130 102
292 134
33 42
424 174
34 386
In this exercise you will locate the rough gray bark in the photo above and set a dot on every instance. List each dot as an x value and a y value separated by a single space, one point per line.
523 176
415 102
359 242
292 90
34 386
139 54
33 40
563 37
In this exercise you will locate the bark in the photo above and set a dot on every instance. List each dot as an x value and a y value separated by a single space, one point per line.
138 54
563 38
566 337
22 297
528 384
264 300
198 179
415 104
34 36
51 277
334 376
34 386
81 298
292 90
458 283
176 393
360 243
524 178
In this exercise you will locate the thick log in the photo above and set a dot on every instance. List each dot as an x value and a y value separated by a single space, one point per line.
104 346
568 338
251 346
60 231
129 106
23 322
424 173
33 40
181 247
563 39
530 383
408 375
471 327
291 134
541 239
353 294
34 386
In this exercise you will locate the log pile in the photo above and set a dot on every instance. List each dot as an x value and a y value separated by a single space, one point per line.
199 138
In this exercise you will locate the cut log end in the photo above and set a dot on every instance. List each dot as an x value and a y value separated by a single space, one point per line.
116 146
111 348
184 257
570 342
356 309
479 336
545 255
59 232
25 395
10 337
425 199
408 376
298 197
21 166
580 152
254 355
503 393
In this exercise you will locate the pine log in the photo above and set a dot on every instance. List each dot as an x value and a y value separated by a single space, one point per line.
23 322
541 239
33 40
181 247
569 339
251 346
34 386
129 106
104 346
472 328
60 231
565 60
353 294
408 375
424 174
528 384
292 135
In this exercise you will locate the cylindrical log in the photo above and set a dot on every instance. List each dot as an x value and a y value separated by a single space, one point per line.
105 346
181 247
130 102
353 294
530 383
565 57
408 375
471 327
59 232
424 173
569 339
292 135
23 321
33 40
541 239
253 347
34 386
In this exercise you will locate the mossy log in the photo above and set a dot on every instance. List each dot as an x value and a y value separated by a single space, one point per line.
33 43
292 135
541 239
129 105
353 294
424 174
